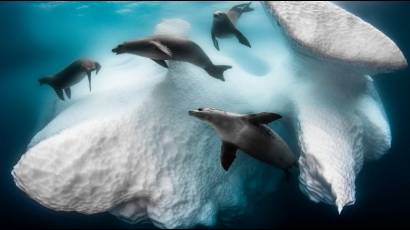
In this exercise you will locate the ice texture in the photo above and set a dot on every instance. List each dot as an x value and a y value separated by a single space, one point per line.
328 31
130 147
340 120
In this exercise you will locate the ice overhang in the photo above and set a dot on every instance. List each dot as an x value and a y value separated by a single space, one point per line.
325 30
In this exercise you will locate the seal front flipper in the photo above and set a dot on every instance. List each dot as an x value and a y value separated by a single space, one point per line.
228 154
68 92
89 79
161 62
262 118
215 41
164 49
241 38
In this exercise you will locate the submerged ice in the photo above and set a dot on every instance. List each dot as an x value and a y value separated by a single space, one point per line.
340 120
130 147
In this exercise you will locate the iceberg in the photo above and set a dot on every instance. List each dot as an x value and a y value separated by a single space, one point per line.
131 149
340 120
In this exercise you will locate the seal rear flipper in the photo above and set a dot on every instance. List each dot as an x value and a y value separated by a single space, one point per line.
68 92
217 71
241 38
262 118
161 62
59 93
247 7
228 154
89 79
215 41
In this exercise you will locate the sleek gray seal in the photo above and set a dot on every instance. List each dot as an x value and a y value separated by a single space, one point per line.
70 76
224 24
249 134
161 47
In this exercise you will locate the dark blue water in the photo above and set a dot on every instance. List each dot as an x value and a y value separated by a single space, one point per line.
28 50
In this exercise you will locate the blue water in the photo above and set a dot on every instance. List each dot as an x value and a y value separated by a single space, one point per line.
37 38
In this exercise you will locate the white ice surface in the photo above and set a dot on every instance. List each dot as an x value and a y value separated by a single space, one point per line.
339 117
328 31
130 148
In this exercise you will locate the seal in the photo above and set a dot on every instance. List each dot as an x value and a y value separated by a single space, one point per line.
163 47
224 24
249 134
71 75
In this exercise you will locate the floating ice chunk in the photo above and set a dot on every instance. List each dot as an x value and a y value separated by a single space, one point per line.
339 118
330 138
337 132
139 155
149 162
323 29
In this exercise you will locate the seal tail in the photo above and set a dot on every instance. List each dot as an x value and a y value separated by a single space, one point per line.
247 8
217 71
49 81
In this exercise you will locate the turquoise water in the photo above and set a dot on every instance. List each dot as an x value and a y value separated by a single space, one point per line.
39 38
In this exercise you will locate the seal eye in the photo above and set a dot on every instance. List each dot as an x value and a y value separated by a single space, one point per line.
200 109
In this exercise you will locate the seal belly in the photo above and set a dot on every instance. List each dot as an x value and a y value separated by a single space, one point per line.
222 29
221 32
70 79
269 149
185 50
253 142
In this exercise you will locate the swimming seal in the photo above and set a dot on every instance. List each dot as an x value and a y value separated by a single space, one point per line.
162 47
71 75
224 24
249 134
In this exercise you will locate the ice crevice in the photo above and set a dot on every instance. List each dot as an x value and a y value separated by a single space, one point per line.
130 148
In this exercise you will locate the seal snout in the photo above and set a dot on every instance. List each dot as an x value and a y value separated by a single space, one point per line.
192 112
217 14
117 50
195 112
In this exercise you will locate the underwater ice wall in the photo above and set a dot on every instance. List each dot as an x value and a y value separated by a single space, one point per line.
130 147
340 120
